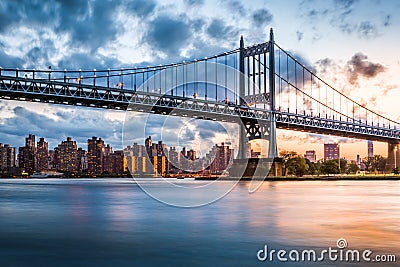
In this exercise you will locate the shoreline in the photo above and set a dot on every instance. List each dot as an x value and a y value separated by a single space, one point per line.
230 178
306 178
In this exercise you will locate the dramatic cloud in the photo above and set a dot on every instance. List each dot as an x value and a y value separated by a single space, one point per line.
235 6
360 66
9 60
85 20
80 124
169 34
217 29
262 17
141 8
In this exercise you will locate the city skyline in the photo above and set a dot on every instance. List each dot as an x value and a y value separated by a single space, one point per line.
360 69
100 158
310 154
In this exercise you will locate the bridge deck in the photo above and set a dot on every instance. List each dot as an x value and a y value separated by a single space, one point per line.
122 99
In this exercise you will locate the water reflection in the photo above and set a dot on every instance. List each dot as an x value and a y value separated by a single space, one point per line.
113 222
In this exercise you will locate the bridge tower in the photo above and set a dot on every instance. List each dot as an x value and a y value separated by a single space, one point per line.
273 147
393 159
253 130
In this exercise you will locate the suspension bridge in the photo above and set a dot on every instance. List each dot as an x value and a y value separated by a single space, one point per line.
261 85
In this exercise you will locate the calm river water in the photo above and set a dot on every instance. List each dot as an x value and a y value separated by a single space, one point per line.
112 222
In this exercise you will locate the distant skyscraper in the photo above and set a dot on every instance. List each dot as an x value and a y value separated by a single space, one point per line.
173 160
331 151
7 156
107 164
68 155
42 155
311 155
222 158
95 155
26 154
82 160
370 149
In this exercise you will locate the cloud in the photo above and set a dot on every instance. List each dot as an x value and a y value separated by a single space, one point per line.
299 35
325 64
367 29
80 60
141 8
217 29
79 123
347 16
85 20
169 34
387 20
194 2
262 17
305 138
359 65
235 6
294 72
7 60
346 4
388 88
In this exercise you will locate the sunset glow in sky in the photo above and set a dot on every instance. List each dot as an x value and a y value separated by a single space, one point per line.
352 44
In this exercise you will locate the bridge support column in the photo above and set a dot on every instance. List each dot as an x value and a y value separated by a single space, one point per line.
242 130
393 159
273 147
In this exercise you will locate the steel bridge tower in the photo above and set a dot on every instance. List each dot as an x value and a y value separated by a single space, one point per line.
253 130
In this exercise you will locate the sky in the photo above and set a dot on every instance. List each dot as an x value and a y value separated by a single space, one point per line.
351 44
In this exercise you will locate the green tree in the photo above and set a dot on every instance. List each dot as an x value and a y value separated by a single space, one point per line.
343 165
352 168
379 163
286 156
368 163
375 163
297 166
330 167
313 167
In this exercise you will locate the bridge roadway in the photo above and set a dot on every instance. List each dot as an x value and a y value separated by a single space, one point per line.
56 92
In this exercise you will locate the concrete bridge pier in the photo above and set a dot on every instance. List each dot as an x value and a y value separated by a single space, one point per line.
393 159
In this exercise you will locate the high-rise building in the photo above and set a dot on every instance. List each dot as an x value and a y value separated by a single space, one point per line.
68 155
82 160
370 149
107 163
7 156
331 151
26 155
95 155
222 157
135 159
173 160
42 155
117 159
311 155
